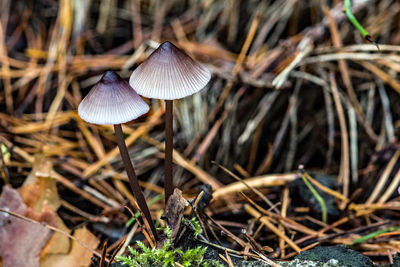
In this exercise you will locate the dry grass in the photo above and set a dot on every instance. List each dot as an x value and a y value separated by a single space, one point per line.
293 83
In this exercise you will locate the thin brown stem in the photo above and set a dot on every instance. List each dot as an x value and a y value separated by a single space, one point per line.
168 182
133 180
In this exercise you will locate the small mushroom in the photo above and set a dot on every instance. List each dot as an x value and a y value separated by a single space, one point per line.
169 73
113 101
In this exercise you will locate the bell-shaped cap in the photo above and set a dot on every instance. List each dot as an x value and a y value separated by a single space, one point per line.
111 101
169 73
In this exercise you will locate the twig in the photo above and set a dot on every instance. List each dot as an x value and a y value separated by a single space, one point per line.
344 162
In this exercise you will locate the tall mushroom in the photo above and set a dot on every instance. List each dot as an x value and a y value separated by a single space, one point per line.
169 73
113 101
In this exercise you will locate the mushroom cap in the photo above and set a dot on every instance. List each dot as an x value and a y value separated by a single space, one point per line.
169 73
111 101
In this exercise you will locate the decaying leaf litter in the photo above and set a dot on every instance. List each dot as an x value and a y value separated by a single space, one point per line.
293 82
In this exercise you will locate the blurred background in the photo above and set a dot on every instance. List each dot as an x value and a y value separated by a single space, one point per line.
293 82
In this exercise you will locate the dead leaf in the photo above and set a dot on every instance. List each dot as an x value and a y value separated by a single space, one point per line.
174 211
58 242
40 193
77 256
39 188
20 241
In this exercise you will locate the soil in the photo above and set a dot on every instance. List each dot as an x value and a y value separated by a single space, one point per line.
324 256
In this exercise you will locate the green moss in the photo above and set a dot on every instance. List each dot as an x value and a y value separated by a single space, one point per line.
166 256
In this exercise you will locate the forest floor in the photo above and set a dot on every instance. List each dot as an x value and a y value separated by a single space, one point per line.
297 131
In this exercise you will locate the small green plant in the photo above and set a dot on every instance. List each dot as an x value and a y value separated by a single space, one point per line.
193 257
196 226
317 196
166 256
354 21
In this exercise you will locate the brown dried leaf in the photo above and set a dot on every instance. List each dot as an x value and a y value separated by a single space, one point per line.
39 192
20 241
174 211
58 242
39 188
78 255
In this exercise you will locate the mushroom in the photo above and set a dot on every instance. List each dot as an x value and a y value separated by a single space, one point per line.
113 101
169 73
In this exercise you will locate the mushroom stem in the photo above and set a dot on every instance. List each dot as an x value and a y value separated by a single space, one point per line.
133 180
168 182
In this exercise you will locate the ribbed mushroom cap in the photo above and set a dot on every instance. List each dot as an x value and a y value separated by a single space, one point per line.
111 101
169 73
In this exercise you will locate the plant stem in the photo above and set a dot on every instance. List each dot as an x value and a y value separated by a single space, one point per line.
133 180
317 196
168 182
359 27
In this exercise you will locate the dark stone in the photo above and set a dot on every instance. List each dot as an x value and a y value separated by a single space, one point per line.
396 260
345 256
